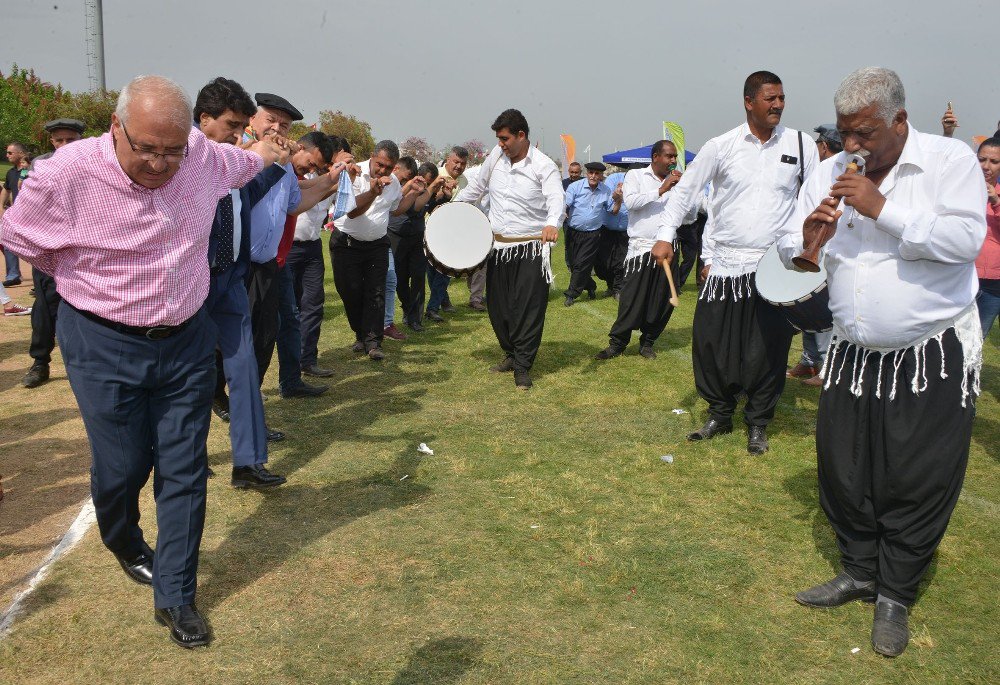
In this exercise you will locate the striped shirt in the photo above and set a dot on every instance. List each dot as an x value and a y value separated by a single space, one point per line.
117 249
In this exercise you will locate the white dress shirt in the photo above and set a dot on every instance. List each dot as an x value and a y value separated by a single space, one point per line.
753 193
374 223
641 197
524 197
309 223
237 222
909 275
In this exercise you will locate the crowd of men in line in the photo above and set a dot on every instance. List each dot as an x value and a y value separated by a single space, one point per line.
179 258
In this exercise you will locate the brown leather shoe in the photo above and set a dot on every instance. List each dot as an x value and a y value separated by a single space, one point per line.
802 371
813 382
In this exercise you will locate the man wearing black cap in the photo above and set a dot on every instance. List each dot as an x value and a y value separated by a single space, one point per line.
43 313
588 203
274 117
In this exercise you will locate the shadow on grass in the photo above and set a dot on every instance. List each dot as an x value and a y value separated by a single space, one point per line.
13 347
276 532
986 433
804 488
440 661
34 493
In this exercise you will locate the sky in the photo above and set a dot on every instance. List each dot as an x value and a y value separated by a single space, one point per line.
607 73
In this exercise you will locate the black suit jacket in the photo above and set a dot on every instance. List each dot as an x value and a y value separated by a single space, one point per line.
250 194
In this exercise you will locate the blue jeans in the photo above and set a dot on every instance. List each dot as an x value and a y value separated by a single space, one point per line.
390 291
988 302
814 348
438 284
13 265
289 340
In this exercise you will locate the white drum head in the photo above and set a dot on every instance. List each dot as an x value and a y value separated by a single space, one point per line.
459 235
779 285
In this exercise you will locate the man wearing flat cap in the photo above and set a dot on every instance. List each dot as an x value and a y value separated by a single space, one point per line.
267 224
588 203
43 313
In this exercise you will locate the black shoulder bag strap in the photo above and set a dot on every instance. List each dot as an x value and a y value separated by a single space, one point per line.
802 165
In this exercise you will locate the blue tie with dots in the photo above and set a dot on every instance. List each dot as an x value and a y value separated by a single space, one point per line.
224 257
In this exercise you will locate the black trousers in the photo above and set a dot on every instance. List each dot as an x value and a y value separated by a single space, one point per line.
43 317
644 304
739 344
891 468
610 263
689 237
583 255
305 262
411 270
517 294
359 269
263 293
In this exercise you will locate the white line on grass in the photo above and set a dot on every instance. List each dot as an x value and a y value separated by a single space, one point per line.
83 521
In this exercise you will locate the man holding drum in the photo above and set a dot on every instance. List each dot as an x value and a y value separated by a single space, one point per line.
896 410
740 342
526 207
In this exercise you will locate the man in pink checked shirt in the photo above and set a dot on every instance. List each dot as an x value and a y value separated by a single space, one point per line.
122 222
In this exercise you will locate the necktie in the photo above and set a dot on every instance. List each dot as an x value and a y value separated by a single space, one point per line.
224 257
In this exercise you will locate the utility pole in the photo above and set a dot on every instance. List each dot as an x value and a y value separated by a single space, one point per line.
95 45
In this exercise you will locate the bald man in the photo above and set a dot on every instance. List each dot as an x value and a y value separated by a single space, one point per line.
122 222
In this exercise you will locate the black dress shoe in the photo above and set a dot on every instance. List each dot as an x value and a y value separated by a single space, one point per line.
273 435
376 354
317 372
711 428
187 627
890 629
434 316
302 389
256 476
447 307
37 374
834 593
756 440
506 366
522 381
11 282
592 293
647 352
569 301
415 326
608 353
477 306
221 409
140 567
358 347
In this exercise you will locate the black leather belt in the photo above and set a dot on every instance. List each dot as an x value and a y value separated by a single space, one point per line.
149 332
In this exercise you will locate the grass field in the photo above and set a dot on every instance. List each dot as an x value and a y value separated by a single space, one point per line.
544 541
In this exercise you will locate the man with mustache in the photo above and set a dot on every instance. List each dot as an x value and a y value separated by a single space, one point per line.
740 342
896 410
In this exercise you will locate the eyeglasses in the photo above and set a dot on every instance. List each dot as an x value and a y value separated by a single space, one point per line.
150 156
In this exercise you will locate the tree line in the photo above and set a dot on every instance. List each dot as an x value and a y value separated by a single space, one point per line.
27 102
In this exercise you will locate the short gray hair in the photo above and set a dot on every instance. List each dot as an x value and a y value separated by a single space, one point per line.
871 86
390 149
176 105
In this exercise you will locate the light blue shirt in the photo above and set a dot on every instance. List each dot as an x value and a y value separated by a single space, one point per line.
588 209
619 221
267 219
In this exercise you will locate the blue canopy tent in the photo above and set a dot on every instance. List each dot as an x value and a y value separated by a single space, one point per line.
639 155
